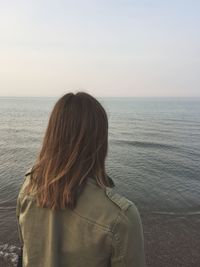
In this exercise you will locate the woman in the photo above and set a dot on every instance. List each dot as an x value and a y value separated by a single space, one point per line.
68 214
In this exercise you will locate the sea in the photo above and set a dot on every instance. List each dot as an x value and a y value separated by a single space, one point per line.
153 156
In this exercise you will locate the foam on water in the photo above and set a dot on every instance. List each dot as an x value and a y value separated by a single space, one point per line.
8 255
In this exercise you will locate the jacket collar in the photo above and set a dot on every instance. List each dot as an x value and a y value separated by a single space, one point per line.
93 181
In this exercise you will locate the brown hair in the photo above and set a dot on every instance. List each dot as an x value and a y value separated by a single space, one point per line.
74 148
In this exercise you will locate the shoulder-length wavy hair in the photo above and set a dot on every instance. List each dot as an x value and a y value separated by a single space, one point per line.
74 148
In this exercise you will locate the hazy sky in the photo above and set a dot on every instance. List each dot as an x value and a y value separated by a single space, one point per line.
108 48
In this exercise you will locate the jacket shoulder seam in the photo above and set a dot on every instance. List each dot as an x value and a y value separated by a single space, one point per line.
122 202
98 225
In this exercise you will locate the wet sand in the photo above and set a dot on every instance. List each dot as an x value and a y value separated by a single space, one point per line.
170 241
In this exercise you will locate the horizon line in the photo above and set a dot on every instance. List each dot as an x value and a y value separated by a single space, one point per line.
32 96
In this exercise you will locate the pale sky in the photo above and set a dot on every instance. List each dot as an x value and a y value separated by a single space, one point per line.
106 47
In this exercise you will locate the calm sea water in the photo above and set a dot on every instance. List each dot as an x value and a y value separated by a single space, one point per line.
154 154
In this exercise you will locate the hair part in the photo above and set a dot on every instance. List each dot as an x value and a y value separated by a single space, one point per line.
74 148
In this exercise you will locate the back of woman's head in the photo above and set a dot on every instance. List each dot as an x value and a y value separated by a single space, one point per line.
74 148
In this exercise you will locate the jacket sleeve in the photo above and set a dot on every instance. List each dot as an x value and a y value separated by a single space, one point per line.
18 207
128 241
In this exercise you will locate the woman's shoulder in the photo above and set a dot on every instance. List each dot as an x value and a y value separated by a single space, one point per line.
117 199
109 199
128 219
25 182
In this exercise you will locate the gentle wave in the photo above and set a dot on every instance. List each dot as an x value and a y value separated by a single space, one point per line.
143 144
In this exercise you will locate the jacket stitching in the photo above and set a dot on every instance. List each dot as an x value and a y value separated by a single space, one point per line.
102 227
115 236
98 225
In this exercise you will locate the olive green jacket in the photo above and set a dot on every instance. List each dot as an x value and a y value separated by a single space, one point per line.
104 230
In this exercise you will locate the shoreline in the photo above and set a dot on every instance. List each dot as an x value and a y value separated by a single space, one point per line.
170 241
